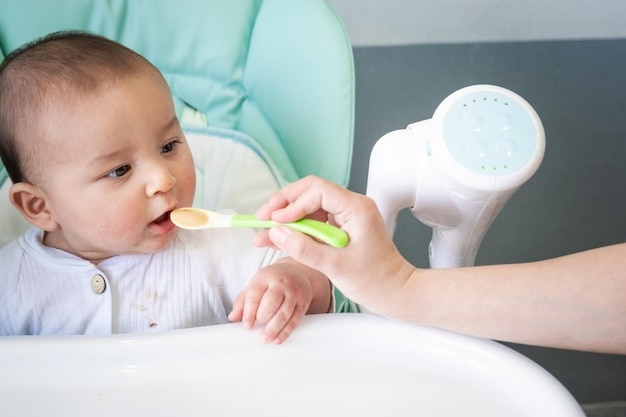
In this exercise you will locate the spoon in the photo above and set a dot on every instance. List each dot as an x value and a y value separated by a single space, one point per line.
194 219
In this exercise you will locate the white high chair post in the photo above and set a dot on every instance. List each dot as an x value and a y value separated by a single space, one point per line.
457 170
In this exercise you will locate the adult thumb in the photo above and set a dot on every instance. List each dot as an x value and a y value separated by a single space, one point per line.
299 246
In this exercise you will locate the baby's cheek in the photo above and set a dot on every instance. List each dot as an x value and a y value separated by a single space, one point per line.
188 188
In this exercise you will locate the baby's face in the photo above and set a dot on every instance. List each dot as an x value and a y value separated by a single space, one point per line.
116 165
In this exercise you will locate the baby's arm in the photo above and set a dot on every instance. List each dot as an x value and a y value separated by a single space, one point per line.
279 296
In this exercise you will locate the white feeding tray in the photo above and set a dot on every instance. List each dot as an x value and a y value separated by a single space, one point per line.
333 365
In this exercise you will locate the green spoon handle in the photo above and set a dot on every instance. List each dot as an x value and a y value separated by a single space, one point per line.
325 232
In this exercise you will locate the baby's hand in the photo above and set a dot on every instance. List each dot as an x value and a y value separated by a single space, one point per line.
278 296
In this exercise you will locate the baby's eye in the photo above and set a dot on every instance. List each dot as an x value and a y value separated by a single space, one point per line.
169 147
119 172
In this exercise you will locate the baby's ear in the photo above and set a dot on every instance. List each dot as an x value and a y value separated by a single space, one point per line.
32 202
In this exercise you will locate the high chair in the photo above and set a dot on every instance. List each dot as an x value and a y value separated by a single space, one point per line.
264 89
265 92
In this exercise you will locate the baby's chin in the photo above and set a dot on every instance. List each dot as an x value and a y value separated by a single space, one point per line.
149 245
100 251
160 242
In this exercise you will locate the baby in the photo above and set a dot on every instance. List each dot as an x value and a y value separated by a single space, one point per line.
98 160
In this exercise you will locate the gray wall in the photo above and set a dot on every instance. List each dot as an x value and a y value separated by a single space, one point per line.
569 61
410 22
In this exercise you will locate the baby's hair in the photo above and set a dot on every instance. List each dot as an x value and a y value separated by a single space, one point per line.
37 76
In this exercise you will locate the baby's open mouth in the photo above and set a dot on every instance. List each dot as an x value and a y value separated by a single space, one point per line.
162 225
163 218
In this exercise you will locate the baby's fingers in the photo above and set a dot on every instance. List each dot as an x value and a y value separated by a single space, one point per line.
282 324
237 313
245 307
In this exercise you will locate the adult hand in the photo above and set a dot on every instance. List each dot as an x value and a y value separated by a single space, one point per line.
370 263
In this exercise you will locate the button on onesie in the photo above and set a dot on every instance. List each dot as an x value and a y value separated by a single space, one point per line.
98 284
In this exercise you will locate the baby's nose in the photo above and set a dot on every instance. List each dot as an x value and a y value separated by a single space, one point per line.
160 180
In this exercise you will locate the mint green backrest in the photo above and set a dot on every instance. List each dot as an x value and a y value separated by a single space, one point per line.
280 71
